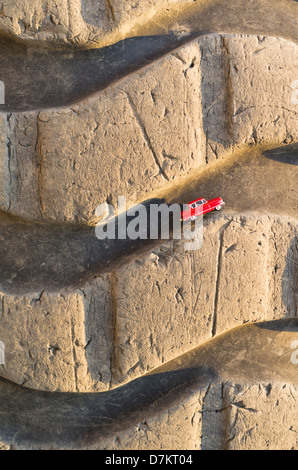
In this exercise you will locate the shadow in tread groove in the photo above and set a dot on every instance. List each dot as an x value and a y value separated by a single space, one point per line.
38 76
35 256
246 354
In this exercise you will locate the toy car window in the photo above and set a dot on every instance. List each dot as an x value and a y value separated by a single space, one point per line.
199 203
192 206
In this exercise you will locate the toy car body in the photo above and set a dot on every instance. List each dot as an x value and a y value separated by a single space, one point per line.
200 207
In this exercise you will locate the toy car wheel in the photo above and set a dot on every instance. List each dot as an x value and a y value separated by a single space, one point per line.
218 208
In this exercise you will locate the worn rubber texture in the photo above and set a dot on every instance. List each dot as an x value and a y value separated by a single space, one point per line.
40 420
58 76
58 256
37 256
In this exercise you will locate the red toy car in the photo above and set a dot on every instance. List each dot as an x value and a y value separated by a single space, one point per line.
200 207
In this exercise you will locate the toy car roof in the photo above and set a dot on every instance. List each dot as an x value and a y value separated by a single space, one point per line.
196 200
